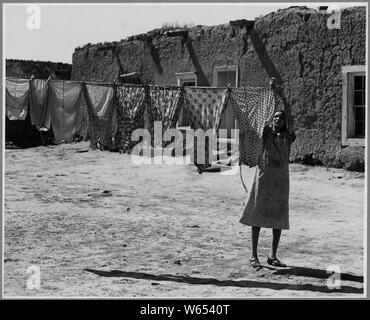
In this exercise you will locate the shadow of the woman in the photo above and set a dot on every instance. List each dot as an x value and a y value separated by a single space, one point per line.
316 273
224 283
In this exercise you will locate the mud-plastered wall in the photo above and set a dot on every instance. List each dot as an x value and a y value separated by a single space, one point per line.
295 45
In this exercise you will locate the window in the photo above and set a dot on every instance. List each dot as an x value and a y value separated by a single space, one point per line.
225 76
353 106
191 83
185 79
358 106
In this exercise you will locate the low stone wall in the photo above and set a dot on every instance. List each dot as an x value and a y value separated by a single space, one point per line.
41 69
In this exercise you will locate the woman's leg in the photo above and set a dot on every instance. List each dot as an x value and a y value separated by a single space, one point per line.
276 233
255 236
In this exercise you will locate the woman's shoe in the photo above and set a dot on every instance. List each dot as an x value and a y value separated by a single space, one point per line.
275 262
254 262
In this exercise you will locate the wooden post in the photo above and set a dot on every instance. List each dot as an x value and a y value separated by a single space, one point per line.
273 83
243 23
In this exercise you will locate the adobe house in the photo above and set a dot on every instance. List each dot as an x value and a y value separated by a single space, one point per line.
319 59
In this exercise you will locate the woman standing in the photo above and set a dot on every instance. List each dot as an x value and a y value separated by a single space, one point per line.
268 202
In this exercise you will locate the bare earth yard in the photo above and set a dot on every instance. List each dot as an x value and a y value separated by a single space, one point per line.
98 225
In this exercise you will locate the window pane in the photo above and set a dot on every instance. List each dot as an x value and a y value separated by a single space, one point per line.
225 78
359 98
359 82
359 115
222 79
360 129
189 82
231 78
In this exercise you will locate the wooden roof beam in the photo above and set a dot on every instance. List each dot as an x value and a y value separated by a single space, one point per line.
243 23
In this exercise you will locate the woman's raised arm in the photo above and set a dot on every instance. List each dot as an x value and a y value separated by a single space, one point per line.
287 109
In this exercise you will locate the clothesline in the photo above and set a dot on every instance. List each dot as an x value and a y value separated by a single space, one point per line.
109 112
106 83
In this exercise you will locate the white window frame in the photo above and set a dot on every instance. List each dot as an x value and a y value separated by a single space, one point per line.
224 68
218 69
186 76
346 71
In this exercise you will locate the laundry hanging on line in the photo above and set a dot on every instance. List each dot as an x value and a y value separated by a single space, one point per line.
64 100
164 105
101 114
39 111
82 123
253 108
130 114
205 106
17 98
60 104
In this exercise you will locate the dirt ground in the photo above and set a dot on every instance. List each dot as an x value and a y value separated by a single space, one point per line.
97 225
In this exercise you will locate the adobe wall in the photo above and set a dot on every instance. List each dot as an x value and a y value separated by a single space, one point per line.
293 44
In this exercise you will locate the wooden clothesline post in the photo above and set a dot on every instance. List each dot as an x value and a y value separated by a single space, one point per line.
275 80
273 83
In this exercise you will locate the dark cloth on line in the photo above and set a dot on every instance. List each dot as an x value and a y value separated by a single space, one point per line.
82 122
131 102
164 106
